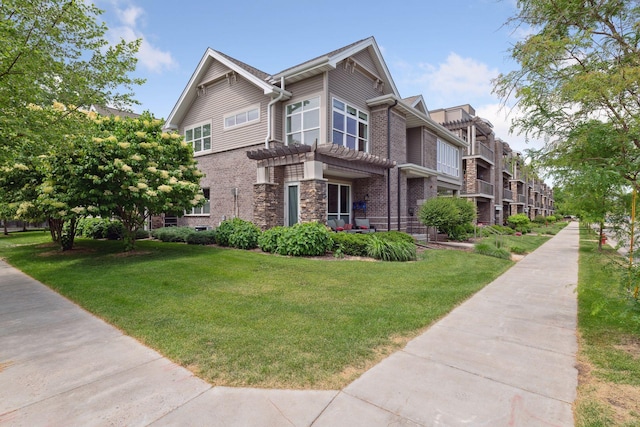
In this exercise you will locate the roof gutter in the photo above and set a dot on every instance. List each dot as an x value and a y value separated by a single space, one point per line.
269 108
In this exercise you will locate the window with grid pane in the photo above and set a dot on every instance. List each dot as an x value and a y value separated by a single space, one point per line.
199 137
303 122
350 126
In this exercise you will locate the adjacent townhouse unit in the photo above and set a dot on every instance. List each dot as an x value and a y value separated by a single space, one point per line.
330 138
495 177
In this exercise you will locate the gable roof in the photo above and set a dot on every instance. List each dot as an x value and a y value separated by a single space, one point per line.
329 61
190 92
418 103
270 83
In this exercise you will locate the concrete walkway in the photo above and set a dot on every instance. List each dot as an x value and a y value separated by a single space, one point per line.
505 357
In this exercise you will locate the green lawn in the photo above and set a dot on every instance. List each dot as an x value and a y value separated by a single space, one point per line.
609 326
245 318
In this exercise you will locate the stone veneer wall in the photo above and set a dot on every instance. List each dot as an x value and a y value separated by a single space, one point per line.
313 200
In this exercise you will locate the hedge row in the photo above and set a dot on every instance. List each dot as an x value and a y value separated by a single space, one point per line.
308 239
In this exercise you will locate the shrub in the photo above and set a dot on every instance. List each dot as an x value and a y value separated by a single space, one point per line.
268 240
237 233
142 234
308 239
100 228
395 236
114 230
447 213
172 234
520 222
486 248
551 219
540 219
353 244
386 250
207 237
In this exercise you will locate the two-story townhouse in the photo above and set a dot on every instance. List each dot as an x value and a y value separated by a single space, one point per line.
479 159
330 138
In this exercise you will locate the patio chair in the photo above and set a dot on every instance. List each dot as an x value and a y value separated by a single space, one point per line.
363 225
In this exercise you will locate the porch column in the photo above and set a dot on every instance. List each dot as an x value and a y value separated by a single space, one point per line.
313 200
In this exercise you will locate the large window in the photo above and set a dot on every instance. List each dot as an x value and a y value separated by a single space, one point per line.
350 126
239 118
448 159
204 209
339 202
199 137
303 122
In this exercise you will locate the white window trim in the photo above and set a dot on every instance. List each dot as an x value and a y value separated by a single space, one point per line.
237 112
193 126
349 202
358 121
320 117
286 201
192 214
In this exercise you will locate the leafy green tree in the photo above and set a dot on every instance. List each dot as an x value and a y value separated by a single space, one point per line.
447 213
578 82
130 169
53 52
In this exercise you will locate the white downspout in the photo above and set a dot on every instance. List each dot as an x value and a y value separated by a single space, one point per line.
269 106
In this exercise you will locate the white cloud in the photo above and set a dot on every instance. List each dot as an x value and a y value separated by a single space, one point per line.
455 76
501 117
150 57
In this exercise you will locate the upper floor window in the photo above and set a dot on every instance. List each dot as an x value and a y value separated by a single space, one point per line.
199 137
350 126
239 118
303 122
448 159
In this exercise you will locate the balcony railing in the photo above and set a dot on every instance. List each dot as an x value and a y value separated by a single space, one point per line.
484 151
479 187
507 194
522 198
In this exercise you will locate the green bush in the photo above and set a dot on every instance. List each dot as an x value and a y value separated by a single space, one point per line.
237 233
486 248
492 230
100 228
551 219
387 250
207 237
447 214
172 234
394 236
540 219
308 239
353 244
142 234
268 240
519 222
114 230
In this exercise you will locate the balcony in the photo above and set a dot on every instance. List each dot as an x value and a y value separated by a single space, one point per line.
482 150
478 187
507 194
522 198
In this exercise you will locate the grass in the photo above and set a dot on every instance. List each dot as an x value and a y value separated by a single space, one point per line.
609 337
244 318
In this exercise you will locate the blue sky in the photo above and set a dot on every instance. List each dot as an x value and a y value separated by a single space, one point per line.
447 50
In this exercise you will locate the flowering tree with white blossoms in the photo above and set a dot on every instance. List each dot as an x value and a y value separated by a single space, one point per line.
130 169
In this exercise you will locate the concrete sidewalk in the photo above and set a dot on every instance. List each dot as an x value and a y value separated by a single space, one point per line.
506 357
